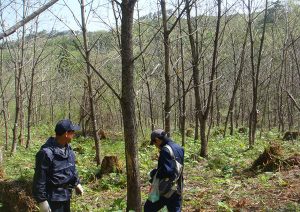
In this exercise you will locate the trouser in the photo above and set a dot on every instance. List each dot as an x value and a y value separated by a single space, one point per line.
63 206
173 204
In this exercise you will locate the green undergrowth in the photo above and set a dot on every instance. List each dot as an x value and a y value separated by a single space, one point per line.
215 177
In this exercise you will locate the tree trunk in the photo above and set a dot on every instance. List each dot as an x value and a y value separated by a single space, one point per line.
236 84
167 103
255 75
90 86
4 104
18 95
128 108
183 102
196 77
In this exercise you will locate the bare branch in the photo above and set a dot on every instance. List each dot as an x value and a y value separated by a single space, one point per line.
292 98
14 28
118 3
97 72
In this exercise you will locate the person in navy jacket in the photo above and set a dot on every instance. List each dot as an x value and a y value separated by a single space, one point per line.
55 171
166 169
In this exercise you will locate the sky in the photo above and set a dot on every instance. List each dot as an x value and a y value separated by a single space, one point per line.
62 16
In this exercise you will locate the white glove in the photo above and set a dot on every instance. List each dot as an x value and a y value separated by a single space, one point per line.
79 189
44 206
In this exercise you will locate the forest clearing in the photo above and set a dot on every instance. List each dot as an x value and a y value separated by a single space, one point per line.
220 77
223 182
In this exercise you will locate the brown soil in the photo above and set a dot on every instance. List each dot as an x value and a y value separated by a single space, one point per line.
16 196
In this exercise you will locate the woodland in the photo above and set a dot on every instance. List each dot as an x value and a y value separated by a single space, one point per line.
221 77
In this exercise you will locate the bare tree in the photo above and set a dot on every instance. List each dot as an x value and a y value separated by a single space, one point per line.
19 68
255 71
3 88
89 83
236 84
166 34
202 113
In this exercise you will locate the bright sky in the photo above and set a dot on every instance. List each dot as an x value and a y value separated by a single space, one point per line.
64 13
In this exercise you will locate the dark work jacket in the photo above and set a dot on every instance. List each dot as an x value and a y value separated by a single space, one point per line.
166 166
55 172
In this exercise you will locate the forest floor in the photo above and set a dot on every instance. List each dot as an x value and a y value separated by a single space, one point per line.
269 191
223 182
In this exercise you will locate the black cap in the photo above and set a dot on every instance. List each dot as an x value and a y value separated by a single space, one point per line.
158 133
65 125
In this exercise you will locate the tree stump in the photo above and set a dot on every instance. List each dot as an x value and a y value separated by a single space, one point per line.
242 130
269 160
102 134
110 164
189 132
290 135
79 149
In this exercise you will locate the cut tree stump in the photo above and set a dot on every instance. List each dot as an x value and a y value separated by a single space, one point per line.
290 135
110 164
269 160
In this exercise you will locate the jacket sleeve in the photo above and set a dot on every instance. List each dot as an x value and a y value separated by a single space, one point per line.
42 164
75 179
166 168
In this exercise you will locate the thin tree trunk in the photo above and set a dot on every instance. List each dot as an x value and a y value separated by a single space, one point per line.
18 75
183 103
236 85
255 75
90 86
4 105
196 77
149 95
30 97
167 103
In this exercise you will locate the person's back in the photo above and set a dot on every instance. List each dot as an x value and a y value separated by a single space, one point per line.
170 184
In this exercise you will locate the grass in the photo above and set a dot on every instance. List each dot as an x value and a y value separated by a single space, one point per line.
216 183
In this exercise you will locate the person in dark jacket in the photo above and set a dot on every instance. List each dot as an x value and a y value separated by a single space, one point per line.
166 170
55 172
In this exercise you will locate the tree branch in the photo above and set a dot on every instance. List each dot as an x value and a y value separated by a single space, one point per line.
98 73
292 98
14 28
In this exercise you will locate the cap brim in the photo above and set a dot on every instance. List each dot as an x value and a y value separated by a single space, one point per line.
75 127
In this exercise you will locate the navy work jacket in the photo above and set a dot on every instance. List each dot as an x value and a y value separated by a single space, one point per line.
166 167
55 172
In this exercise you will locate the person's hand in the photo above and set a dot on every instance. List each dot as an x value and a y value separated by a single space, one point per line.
152 173
79 189
44 206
